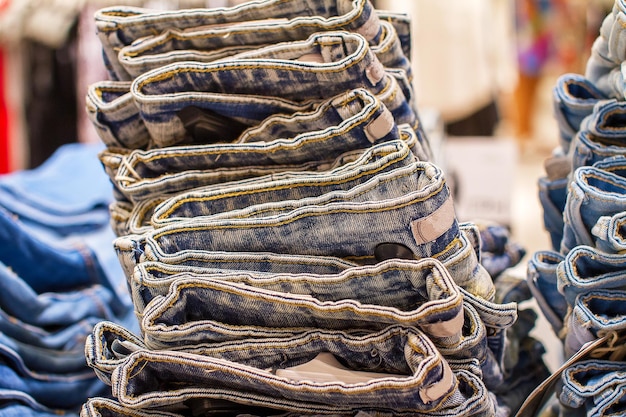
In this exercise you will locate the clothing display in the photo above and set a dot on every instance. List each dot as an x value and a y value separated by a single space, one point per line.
578 284
264 230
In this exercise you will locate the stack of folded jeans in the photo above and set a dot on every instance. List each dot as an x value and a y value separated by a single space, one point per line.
60 277
579 282
288 246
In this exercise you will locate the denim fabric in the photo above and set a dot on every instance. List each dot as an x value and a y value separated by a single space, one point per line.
34 359
423 380
593 193
207 45
498 251
263 23
601 135
594 312
424 296
52 309
553 196
543 283
14 403
586 268
573 98
296 76
589 383
609 233
106 407
63 391
52 197
236 195
158 172
422 219
115 116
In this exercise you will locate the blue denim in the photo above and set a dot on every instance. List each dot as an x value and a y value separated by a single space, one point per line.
53 200
61 391
115 116
422 220
594 312
250 372
52 309
208 45
498 251
425 296
573 98
609 233
210 200
296 76
350 122
590 384
543 284
586 268
553 196
601 135
593 193
14 403
263 23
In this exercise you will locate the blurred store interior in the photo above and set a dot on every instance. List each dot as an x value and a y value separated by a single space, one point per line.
483 73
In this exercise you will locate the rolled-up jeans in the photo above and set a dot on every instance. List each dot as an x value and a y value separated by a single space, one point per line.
593 313
234 195
295 75
543 284
422 219
142 175
573 99
586 268
609 233
592 386
251 373
593 193
601 135
264 23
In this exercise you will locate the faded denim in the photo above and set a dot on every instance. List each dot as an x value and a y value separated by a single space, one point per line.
609 233
297 75
593 313
263 23
553 196
543 284
573 99
593 193
428 383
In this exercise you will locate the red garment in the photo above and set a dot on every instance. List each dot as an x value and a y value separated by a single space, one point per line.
4 120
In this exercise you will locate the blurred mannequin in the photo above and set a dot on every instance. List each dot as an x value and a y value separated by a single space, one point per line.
464 60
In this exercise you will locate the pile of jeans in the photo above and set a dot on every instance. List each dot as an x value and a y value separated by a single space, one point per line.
288 246
579 282
60 277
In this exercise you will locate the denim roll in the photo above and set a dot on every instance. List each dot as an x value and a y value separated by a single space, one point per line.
422 220
102 406
553 188
590 385
263 23
586 268
284 304
593 313
601 135
229 196
112 111
609 233
573 99
543 284
142 175
297 75
593 193
420 381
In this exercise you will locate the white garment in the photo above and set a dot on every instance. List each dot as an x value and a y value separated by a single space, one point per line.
463 52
